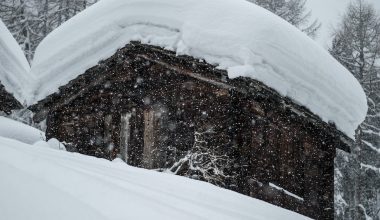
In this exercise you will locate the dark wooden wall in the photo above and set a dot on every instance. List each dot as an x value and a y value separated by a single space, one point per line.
169 99
7 101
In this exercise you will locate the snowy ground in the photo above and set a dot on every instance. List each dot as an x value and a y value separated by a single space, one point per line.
43 184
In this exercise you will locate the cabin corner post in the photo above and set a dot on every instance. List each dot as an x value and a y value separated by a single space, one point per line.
318 180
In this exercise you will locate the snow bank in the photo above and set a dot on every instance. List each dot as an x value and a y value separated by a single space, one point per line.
19 131
52 143
14 68
41 183
236 35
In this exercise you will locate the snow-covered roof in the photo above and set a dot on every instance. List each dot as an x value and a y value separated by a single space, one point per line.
14 68
235 35
39 183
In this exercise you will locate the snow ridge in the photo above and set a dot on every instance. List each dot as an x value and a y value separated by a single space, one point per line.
14 68
19 131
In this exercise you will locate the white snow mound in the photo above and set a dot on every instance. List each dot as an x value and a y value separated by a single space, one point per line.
235 35
19 131
14 68
44 184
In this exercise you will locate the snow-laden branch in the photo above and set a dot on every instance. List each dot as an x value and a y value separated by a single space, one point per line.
203 162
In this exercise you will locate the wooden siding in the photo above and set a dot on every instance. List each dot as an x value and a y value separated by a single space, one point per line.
168 98
7 101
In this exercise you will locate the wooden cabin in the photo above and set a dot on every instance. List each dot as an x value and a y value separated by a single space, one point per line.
7 101
156 110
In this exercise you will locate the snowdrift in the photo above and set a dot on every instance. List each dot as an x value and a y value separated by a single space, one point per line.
235 35
19 131
14 68
42 183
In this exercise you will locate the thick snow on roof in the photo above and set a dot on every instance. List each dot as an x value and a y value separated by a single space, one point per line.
236 35
14 68
40 183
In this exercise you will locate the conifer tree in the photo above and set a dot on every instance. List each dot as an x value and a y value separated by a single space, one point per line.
294 12
31 20
356 44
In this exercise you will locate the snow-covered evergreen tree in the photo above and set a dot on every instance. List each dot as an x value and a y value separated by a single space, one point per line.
293 11
22 20
356 44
